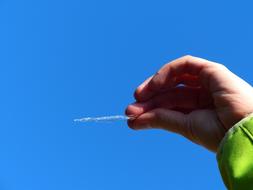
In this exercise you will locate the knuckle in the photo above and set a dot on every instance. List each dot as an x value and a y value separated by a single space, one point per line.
222 66
188 58
166 66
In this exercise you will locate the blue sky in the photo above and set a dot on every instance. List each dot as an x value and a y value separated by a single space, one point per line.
62 60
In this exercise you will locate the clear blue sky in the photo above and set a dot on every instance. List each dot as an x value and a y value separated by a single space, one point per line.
64 59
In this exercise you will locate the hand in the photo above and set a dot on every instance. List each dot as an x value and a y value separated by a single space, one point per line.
193 97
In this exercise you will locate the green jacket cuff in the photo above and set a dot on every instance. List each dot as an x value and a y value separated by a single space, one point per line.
235 156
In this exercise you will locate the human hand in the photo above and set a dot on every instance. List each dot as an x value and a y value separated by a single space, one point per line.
209 100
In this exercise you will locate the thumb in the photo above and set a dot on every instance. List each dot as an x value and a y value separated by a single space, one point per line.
170 120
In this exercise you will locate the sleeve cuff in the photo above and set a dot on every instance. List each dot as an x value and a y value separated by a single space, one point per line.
235 155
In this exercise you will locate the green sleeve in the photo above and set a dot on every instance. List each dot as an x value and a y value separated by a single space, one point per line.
235 156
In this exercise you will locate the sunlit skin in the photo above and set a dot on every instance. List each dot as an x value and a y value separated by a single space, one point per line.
209 100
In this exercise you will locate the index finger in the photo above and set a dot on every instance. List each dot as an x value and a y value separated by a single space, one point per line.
165 78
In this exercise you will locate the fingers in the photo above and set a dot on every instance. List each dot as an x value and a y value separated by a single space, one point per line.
185 69
142 87
201 127
136 109
180 98
164 119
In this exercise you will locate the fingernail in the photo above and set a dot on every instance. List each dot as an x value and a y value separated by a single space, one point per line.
131 117
133 110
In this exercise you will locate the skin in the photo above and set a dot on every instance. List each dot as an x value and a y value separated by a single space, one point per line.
193 97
